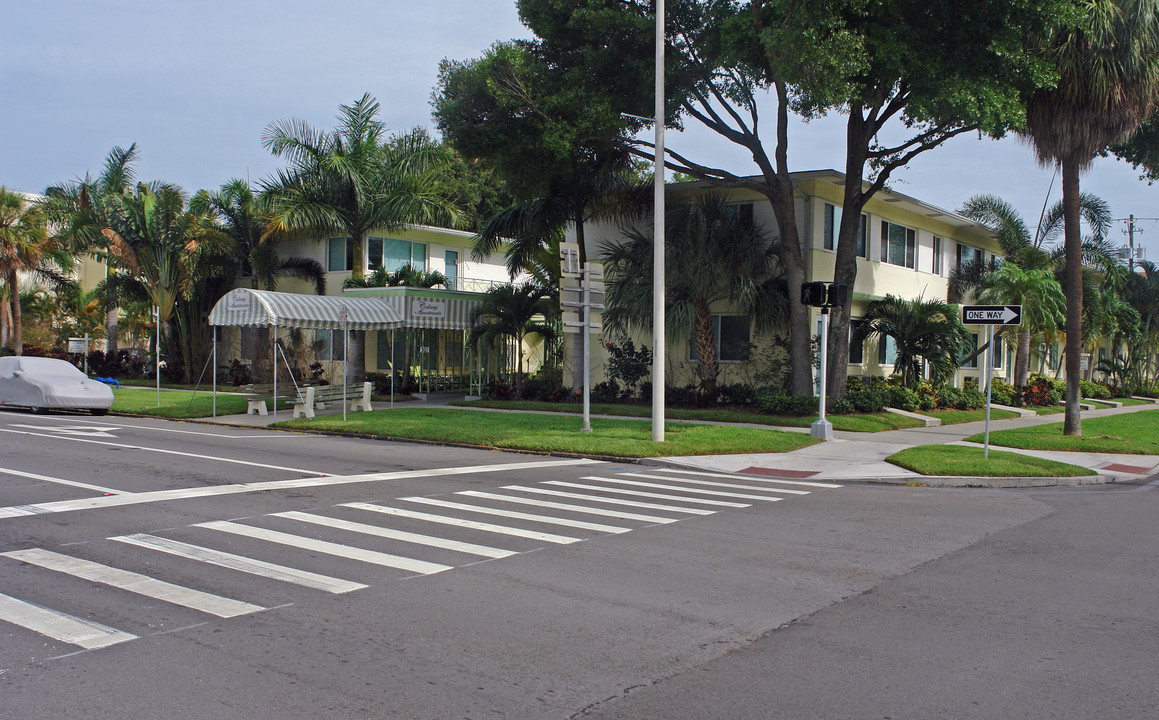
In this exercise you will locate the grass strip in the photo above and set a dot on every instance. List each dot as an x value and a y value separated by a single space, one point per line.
557 433
1135 433
872 422
176 403
958 460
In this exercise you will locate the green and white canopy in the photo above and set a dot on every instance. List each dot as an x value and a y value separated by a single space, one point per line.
264 308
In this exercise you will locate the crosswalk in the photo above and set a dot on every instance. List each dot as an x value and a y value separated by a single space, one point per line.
425 535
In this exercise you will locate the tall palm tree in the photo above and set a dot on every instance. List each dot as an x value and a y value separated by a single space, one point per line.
512 312
165 251
924 331
712 257
25 246
1108 64
351 181
79 211
1032 286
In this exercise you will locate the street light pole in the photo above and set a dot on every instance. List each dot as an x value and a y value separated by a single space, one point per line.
658 325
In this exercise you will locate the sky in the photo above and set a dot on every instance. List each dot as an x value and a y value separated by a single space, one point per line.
195 85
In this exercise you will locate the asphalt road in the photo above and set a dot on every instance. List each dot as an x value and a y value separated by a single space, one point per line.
150 568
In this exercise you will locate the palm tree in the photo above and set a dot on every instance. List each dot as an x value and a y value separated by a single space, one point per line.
79 211
511 312
352 181
24 247
165 252
712 257
406 276
1032 286
1108 65
924 331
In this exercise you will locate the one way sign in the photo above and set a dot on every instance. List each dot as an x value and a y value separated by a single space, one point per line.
991 314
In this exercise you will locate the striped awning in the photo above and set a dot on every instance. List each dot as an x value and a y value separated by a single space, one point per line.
263 308
442 312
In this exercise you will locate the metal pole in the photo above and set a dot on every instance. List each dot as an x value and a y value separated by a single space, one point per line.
393 369
87 353
274 357
824 359
658 325
989 369
586 274
157 357
214 372
345 366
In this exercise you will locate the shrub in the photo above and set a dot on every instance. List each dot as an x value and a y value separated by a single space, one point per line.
839 407
1094 390
606 392
628 365
238 373
680 396
948 398
902 398
773 401
737 394
804 405
1002 392
498 389
926 402
866 399
972 399
1043 390
543 386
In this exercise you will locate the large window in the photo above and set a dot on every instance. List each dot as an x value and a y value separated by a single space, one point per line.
339 254
898 244
968 254
732 338
833 227
856 347
996 351
970 359
329 345
740 211
886 350
937 267
392 254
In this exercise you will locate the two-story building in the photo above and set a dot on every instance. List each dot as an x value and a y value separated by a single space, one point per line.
907 248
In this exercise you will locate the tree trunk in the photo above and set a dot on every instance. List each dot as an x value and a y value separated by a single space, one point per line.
14 290
706 360
1072 424
519 367
1022 360
111 346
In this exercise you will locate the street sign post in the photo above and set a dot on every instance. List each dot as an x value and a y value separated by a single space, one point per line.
990 315
582 305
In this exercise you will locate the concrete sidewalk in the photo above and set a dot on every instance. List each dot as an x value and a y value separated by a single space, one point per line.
853 456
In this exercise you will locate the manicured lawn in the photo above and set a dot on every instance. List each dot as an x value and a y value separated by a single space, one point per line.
874 422
174 403
953 417
557 433
968 462
1135 433
1128 402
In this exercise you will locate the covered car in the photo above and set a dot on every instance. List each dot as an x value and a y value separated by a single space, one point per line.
42 383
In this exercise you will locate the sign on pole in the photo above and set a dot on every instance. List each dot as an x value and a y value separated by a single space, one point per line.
991 314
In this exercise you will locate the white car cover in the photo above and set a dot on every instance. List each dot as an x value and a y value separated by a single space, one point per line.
39 382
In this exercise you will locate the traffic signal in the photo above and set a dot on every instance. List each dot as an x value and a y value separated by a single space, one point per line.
813 293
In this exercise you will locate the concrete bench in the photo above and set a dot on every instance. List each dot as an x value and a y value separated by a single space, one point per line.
257 395
315 397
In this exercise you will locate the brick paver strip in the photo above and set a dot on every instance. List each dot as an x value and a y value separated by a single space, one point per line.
1133 469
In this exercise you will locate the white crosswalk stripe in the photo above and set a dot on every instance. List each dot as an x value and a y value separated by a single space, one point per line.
351 553
470 524
613 501
686 489
60 626
415 538
565 506
775 481
641 493
550 520
240 563
709 483
134 583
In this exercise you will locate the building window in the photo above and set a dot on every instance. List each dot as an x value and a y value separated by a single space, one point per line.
742 212
886 350
733 338
968 254
339 254
937 267
391 254
996 352
970 359
856 347
898 244
833 227
329 345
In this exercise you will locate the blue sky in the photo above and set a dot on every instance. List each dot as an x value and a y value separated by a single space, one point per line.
194 85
